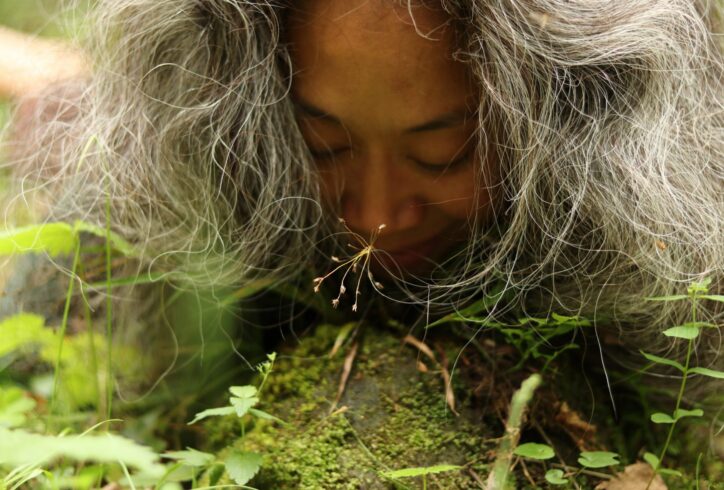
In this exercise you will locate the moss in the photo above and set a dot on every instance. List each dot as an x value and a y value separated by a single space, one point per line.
391 416
394 416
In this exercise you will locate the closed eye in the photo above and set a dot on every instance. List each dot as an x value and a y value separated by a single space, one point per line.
445 166
327 153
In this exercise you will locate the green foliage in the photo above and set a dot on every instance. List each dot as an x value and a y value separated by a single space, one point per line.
14 406
56 239
532 450
598 459
190 457
689 332
421 471
19 447
242 466
555 477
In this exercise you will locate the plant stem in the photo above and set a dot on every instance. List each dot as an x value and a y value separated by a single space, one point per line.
518 406
64 326
109 372
680 396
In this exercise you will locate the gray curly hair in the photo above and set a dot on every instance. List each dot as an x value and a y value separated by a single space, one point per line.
606 116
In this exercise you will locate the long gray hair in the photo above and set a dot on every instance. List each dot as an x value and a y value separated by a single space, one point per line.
606 117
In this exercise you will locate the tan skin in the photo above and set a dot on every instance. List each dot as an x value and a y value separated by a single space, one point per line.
389 116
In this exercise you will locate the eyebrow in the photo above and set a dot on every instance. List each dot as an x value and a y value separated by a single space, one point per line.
444 121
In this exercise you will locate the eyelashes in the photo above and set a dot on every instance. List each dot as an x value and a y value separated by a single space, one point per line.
329 154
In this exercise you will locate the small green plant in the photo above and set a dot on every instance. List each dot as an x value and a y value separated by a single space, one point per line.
241 466
688 332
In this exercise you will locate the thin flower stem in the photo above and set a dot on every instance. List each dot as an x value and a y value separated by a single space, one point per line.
679 398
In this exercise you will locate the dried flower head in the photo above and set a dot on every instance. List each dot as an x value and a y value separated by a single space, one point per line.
358 264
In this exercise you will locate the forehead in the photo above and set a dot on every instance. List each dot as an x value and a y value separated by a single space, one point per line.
376 51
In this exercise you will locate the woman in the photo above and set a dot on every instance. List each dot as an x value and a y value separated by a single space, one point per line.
568 152
571 151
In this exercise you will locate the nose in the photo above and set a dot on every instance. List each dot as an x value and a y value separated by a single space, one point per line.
377 192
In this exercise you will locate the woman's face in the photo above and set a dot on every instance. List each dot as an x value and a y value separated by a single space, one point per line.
390 119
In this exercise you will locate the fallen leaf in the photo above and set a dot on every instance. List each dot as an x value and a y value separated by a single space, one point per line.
634 477
346 370
582 433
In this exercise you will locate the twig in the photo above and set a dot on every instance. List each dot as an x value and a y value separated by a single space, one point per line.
518 406
346 370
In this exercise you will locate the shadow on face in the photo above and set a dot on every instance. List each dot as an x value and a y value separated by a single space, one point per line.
390 118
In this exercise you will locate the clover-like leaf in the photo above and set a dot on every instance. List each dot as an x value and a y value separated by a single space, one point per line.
242 466
555 477
242 405
247 391
598 459
534 450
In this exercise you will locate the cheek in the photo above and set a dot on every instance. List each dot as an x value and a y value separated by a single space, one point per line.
462 195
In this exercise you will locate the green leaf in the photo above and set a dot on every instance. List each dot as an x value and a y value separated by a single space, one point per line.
213 412
24 330
242 405
118 243
700 286
13 406
670 472
19 447
471 312
681 413
242 466
412 472
598 459
266 416
555 477
533 450
663 360
683 332
662 418
707 372
675 297
243 391
52 238
713 297
652 459
190 457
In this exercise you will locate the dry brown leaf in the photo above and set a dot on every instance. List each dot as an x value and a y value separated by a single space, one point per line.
422 367
582 433
346 370
634 477
420 345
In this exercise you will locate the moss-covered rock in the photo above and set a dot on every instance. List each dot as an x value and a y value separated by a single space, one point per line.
392 415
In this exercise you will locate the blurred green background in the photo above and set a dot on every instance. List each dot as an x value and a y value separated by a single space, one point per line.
35 16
